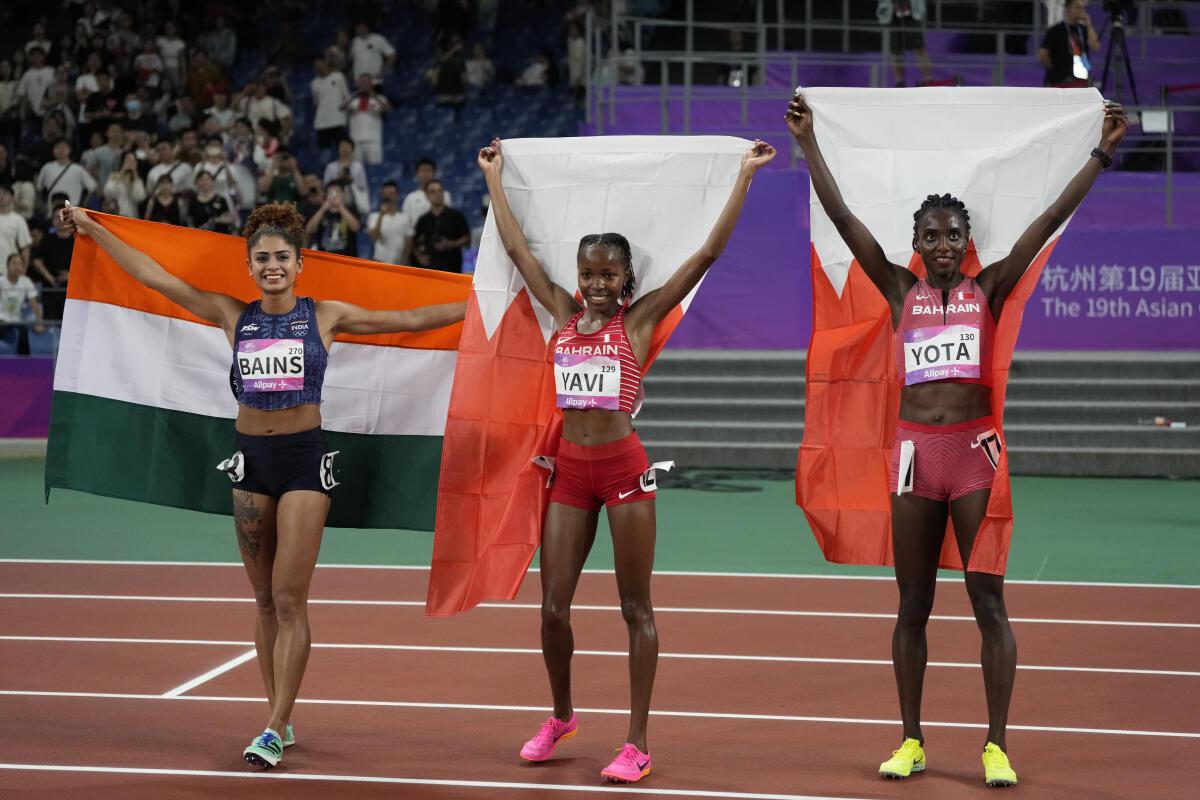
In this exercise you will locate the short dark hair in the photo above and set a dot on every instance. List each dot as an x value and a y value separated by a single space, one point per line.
426 160
347 140
942 201
432 182
62 139
390 183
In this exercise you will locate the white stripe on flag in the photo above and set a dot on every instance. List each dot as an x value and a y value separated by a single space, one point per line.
136 357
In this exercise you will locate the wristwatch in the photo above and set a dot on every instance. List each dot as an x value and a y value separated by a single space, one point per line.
1104 158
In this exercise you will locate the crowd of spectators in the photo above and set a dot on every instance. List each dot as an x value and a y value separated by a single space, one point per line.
131 108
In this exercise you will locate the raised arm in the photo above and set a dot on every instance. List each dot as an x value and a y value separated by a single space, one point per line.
891 280
557 300
349 318
219 309
651 307
999 279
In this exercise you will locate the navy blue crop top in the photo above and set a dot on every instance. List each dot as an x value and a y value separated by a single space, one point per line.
279 360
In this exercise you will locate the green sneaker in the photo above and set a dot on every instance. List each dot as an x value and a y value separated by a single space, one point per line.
289 736
265 751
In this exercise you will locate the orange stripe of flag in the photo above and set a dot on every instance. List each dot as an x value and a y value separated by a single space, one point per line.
216 262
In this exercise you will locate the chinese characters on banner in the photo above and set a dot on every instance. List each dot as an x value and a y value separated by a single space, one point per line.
1117 291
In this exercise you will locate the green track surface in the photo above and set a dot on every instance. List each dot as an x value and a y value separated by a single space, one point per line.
1075 529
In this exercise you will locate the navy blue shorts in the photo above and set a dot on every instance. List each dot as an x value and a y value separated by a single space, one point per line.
274 465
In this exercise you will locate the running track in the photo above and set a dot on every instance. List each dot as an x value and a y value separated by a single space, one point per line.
138 681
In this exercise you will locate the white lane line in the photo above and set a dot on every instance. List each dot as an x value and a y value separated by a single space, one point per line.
462 784
762 612
417 648
664 572
212 673
542 710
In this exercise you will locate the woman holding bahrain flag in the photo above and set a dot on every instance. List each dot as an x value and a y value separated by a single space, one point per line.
282 472
598 352
946 446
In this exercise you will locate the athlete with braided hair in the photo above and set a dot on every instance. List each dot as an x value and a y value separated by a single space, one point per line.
944 324
598 355
282 471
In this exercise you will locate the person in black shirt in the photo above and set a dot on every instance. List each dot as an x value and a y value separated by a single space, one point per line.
50 263
334 227
209 211
1067 47
163 205
442 233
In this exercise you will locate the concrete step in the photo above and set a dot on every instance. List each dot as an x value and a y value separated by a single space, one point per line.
1058 365
1078 462
1150 390
1135 437
1016 412
723 387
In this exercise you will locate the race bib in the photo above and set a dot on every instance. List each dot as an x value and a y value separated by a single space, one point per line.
940 352
587 381
271 365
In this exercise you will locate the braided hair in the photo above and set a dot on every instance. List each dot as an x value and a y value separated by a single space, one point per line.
613 241
275 219
941 201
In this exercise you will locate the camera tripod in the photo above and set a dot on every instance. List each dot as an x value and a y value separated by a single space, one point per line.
1116 40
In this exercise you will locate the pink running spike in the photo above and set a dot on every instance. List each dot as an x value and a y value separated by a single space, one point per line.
554 730
629 766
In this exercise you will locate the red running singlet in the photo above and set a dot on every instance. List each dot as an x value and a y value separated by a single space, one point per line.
596 370
939 341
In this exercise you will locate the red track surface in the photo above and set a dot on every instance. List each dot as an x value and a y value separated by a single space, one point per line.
834 755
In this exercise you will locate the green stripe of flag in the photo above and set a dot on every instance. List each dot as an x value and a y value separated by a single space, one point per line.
169 458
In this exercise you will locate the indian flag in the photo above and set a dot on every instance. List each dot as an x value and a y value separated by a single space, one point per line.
143 408
1007 154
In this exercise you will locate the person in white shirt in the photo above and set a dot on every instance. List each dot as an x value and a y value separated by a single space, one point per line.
390 229
16 292
126 187
416 202
221 113
169 164
370 53
367 108
87 83
148 66
329 93
480 70
174 53
64 175
225 183
34 82
14 231
349 170
257 105
39 40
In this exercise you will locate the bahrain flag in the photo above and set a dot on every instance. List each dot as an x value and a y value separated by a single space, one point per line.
1007 153
663 193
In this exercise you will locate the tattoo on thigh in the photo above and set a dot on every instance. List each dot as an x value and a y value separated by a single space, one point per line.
248 521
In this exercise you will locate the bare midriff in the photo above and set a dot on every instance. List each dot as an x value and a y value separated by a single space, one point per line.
256 422
596 425
944 402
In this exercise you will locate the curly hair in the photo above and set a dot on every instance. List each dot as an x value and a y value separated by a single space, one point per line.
614 241
946 201
275 219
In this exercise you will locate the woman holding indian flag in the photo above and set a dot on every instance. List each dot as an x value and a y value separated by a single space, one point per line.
282 473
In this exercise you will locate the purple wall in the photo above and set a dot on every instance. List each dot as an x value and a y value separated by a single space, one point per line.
25 397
